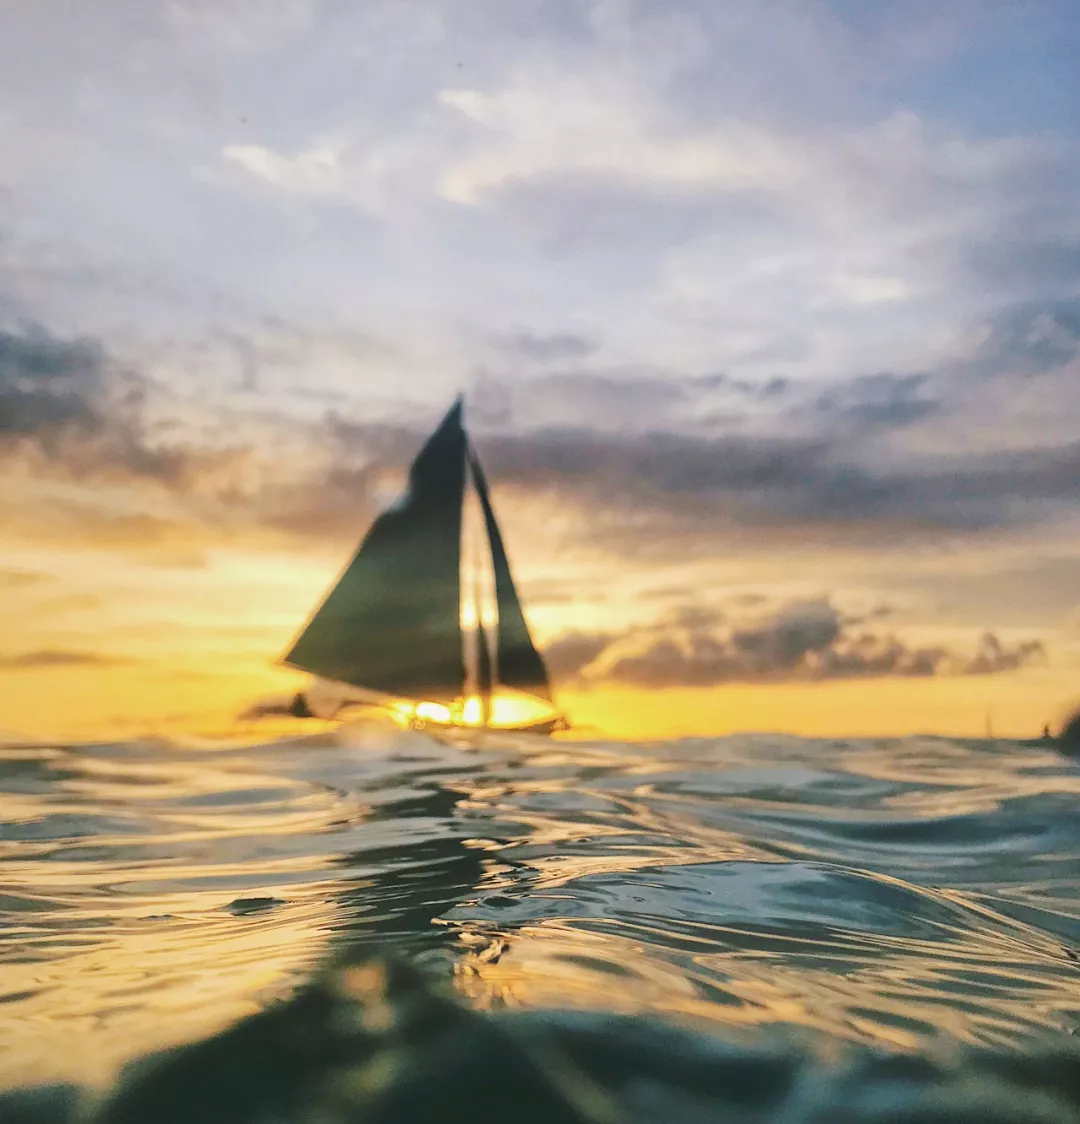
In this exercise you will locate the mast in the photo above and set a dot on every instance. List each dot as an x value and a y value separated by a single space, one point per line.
484 676
484 665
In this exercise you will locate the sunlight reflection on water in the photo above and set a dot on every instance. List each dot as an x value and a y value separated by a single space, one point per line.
880 891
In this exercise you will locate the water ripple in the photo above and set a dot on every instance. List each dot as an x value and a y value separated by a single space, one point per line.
889 891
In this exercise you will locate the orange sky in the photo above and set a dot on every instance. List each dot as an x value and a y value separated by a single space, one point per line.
108 641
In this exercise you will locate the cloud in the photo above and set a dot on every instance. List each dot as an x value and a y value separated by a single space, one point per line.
535 130
59 657
874 402
695 617
665 484
992 656
84 427
1034 338
1008 389
490 142
868 655
98 468
333 503
64 401
48 384
549 348
604 400
799 641
19 579
809 224
654 468
875 613
315 172
1042 263
626 399
608 172
656 462
569 653
778 647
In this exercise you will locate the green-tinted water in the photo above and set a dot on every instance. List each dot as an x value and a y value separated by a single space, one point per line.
887 892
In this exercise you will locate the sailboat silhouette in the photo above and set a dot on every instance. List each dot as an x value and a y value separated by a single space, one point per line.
389 632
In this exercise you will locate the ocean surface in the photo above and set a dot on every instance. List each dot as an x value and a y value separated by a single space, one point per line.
895 893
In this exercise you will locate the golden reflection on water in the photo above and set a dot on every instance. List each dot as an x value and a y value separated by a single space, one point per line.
883 892
119 875
86 1004
582 942
895 1000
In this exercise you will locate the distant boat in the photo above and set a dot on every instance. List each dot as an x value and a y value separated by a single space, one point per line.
390 633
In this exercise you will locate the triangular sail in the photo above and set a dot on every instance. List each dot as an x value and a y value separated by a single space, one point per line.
392 621
520 665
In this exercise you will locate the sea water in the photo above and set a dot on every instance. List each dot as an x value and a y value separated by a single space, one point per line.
896 892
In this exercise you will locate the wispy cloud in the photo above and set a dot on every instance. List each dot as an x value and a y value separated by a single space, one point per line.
316 171
552 347
568 127
19 579
59 658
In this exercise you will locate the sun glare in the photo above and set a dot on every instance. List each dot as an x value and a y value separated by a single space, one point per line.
506 710
432 712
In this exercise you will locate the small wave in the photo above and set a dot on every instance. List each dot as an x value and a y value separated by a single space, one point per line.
894 893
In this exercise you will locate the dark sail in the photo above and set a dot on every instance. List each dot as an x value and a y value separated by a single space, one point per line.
391 623
520 665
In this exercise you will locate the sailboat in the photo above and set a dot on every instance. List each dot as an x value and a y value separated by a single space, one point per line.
405 628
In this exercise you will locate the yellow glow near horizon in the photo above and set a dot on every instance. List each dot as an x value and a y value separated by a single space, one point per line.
128 648
133 701
1016 705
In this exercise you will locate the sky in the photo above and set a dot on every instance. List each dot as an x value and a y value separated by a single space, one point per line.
768 324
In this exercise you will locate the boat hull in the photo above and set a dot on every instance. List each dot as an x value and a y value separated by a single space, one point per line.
545 728
330 701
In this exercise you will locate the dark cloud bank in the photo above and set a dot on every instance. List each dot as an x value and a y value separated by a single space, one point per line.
69 405
66 402
652 490
803 640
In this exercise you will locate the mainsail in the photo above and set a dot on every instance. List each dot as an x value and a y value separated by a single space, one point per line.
392 622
